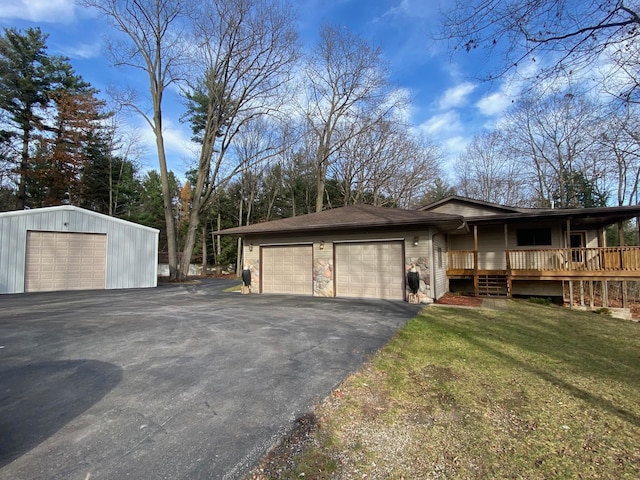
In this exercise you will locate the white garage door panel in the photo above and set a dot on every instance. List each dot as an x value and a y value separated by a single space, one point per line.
65 261
287 269
370 270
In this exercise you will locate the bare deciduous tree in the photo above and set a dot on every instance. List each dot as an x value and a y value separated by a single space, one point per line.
554 138
243 54
347 91
560 37
385 165
620 143
152 44
487 171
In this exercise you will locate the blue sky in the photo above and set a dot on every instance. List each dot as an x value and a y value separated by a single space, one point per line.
448 102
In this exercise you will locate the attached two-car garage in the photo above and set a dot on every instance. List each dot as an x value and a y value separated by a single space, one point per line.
362 269
359 251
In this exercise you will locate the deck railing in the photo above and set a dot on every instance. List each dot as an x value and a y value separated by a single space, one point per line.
606 259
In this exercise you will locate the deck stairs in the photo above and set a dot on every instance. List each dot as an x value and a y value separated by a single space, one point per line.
493 285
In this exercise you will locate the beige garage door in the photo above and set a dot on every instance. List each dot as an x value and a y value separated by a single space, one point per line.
370 270
65 261
287 269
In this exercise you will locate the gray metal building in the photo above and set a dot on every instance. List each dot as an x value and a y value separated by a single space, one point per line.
70 248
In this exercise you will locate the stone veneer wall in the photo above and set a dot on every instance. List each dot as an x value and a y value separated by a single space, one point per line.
323 277
422 266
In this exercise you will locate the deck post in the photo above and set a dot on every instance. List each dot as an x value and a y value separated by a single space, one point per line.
570 294
476 289
622 243
581 293
605 294
508 261
591 293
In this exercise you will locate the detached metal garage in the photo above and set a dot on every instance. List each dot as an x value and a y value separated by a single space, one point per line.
69 248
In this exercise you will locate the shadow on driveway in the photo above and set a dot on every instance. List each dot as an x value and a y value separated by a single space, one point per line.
184 382
40 398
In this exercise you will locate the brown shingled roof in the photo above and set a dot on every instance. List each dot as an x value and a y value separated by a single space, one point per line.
352 217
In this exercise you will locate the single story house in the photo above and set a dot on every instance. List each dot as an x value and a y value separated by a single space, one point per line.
70 248
456 244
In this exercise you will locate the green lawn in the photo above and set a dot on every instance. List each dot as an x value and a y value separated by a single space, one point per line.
527 391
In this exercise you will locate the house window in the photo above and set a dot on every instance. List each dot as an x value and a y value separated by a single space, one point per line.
533 237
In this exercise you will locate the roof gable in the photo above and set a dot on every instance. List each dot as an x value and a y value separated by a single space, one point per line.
74 211
467 207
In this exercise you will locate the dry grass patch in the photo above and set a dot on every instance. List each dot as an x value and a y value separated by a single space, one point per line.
526 392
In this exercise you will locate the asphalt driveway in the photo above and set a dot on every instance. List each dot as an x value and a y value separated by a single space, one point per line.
177 382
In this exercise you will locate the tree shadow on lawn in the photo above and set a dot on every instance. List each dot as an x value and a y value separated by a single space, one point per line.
552 340
38 399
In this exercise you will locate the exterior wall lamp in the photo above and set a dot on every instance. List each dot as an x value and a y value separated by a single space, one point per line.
322 245
251 247
416 240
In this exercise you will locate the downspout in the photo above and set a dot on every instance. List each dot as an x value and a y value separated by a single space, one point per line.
432 266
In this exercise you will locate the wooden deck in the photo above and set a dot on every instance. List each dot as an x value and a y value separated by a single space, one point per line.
607 263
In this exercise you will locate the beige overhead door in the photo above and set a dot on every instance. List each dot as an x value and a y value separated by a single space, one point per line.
65 261
287 269
370 270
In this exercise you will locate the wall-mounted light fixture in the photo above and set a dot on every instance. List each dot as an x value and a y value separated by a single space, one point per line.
416 240
251 247
322 245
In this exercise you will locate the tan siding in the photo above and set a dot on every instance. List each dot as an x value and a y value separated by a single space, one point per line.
440 265
465 210
461 242
417 251
491 250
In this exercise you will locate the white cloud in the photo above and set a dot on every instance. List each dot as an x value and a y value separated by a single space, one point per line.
441 124
82 50
456 145
49 11
179 148
413 9
456 96
494 104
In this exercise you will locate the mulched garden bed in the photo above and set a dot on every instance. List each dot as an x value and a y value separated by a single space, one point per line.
459 300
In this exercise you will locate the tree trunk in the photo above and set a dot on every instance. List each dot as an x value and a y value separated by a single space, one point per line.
166 198
219 244
111 185
189 242
24 164
204 250
320 185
